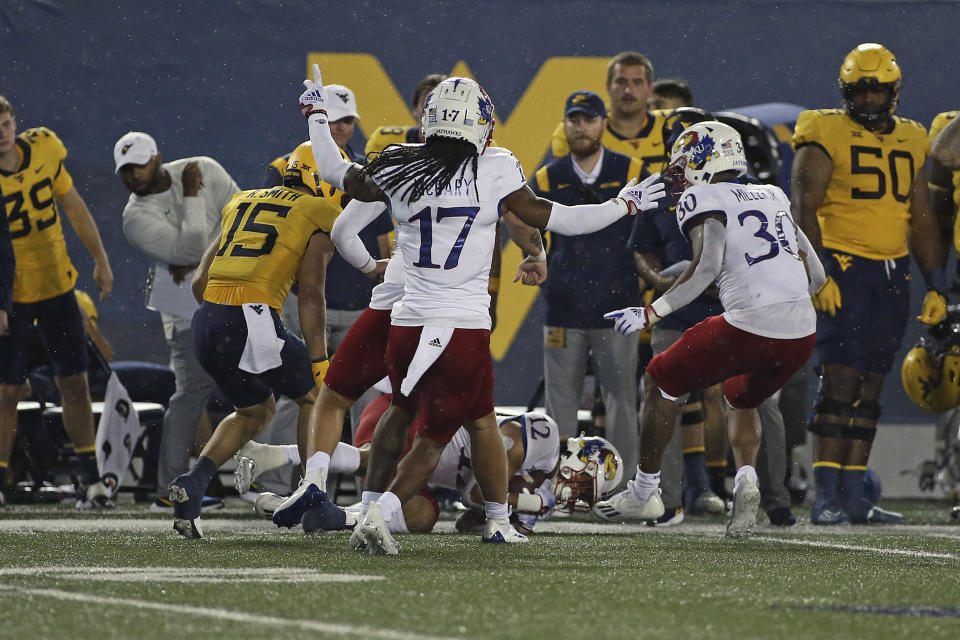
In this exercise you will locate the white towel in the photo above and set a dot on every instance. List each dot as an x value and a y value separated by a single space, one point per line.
433 340
262 351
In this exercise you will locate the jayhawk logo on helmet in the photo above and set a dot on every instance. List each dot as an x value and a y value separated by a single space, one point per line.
590 469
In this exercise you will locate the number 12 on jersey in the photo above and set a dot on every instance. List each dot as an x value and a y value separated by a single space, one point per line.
425 218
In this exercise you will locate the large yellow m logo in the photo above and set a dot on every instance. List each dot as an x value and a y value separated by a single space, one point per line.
526 133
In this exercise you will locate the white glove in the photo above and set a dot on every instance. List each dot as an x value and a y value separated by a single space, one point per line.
643 196
633 319
314 99
547 498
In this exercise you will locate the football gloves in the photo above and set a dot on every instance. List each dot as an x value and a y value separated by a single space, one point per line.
934 308
644 196
632 319
314 99
827 297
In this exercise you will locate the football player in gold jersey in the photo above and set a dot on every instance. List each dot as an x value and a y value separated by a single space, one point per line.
632 129
37 188
384 136
860 195
270 237
944 176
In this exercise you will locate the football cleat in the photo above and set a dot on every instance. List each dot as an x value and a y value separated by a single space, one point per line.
746 501
290 512
326 516
706 502
876 515
502 533
96 497
376 534
244 474
781 517
828 513
671 517
267 503
625 506
186 494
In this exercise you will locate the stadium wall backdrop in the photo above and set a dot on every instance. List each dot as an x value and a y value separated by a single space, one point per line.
221 79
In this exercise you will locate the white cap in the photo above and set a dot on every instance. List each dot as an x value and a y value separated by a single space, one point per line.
134 147
341 102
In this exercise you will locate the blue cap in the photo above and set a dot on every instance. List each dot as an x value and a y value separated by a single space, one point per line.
585 102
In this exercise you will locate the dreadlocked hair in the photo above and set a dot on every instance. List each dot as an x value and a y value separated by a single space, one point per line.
431 166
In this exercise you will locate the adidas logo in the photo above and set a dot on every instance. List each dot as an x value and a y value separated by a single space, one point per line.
435 343
258 308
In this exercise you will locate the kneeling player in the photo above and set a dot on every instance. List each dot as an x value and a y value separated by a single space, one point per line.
270 237
743 237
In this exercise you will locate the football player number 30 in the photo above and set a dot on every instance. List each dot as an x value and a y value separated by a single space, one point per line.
775 242
425 217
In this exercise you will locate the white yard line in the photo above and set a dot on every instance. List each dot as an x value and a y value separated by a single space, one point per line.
859 547
186 574
335 629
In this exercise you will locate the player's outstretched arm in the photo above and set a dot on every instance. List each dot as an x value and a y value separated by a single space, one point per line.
79 215
584 218
333 168
532 271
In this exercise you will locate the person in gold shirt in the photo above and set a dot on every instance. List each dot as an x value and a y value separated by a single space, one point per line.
37 189
632 128
860 196
269 238
944 176
384 136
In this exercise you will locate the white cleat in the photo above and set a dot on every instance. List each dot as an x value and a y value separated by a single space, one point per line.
244 474
625 506
502 532
97 496
266 503
743 516
376 533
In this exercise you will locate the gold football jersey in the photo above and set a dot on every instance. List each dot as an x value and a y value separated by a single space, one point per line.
866 210
43 267
265 234
650 145
384 136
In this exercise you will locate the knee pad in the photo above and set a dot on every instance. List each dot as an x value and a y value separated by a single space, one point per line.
865 412
867 409
825 421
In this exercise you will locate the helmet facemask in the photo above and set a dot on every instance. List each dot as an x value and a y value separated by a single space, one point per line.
590 469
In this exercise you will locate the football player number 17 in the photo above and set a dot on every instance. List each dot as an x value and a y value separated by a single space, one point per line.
425 217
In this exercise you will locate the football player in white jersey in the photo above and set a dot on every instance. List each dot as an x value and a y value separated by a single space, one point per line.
745 238
447 195
531 441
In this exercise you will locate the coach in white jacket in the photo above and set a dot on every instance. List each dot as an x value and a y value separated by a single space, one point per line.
173 215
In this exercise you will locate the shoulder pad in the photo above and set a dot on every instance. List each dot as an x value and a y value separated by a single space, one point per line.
907 122
44 140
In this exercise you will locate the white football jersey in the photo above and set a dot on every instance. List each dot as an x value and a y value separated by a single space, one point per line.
447 242
390 291
763 282
541 450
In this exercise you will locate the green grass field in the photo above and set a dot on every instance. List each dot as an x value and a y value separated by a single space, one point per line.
123 573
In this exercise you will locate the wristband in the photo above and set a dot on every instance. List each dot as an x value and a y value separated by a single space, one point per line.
370 266
660 308
541 257
936 280
529 503
320 366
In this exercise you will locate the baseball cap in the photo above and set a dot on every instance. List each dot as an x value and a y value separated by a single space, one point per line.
341 102
585 102
134 147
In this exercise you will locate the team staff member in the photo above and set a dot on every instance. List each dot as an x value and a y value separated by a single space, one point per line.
384 136
37 187
172 215
269 238
860 195
632 129
590 274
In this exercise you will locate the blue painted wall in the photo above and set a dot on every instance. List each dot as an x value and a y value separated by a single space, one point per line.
221 79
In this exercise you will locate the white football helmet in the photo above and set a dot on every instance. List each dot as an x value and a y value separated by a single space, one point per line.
703 150
590 469
459 108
